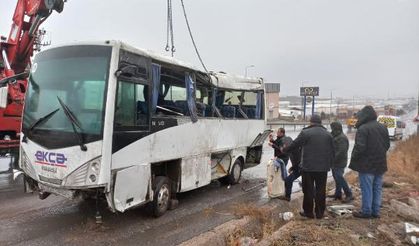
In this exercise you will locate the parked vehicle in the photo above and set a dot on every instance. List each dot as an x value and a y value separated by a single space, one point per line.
394 125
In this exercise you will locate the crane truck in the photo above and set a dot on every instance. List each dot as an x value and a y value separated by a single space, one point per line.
16 51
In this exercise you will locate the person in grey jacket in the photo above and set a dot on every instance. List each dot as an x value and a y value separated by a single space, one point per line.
341 144
317 158
369 159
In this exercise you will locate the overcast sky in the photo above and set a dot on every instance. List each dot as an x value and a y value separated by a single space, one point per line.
353 47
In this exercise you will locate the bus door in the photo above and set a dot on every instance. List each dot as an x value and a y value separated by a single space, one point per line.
131 123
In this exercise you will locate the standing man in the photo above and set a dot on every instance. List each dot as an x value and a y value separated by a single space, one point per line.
294 173
369 160
281 159
317 158
341 144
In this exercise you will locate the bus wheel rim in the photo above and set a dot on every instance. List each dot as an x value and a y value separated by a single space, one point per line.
163 197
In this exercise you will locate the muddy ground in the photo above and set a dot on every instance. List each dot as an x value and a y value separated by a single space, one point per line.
335 230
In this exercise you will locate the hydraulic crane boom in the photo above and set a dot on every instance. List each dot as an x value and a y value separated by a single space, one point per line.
16 52
18 48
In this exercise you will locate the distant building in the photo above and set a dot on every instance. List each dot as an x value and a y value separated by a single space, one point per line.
272 100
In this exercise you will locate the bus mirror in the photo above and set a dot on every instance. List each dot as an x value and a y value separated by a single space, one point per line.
3 96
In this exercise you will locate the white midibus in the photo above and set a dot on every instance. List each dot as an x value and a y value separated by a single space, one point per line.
109 119
394 126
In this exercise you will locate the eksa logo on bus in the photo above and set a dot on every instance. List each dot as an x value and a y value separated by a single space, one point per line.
50 158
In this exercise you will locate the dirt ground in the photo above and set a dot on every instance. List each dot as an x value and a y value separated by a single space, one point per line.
400 183
349 230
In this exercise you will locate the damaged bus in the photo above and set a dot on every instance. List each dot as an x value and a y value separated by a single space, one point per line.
107 119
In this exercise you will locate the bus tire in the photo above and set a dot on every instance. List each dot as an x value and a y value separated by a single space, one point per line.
235 174
162 195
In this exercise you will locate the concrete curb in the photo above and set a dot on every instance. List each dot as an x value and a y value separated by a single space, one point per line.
275 236
218 235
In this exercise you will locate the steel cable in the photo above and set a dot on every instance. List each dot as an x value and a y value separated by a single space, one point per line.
190 34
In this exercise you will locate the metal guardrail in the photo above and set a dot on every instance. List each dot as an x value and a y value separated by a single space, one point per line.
276 124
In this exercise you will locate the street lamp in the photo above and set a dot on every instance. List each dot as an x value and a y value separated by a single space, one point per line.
245 70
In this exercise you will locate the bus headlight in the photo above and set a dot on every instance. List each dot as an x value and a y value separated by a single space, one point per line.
95 166
87 174
92 178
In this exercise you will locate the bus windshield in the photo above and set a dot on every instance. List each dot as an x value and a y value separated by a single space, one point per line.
74 76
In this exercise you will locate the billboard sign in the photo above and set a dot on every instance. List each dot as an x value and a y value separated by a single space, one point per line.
309 91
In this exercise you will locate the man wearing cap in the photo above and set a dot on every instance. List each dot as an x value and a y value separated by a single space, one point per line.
317 158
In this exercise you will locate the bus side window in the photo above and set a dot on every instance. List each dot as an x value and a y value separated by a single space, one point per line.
250 104
230 104
172 97
131 109
203 101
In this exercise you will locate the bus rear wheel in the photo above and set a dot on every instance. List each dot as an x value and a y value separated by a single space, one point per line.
235 174
162 195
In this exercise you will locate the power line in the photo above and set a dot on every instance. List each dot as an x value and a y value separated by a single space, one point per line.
190 34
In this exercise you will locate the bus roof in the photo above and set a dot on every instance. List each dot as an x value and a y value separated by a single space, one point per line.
218 79
388 116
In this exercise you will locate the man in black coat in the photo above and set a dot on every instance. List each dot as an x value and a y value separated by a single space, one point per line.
369 159
340 161
281 158
317 158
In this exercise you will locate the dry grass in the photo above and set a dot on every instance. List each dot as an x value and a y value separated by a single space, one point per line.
266 222
260 213
404 160
351 178
312 232
264 215
233 239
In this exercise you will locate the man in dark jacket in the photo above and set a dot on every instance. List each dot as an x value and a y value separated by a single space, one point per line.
317 158
341 144
281 159
370 161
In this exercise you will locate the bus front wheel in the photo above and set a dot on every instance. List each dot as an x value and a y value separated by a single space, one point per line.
162 195
235 174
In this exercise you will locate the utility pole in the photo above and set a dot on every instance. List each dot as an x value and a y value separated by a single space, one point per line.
353 105
330 106
245 70
337 109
